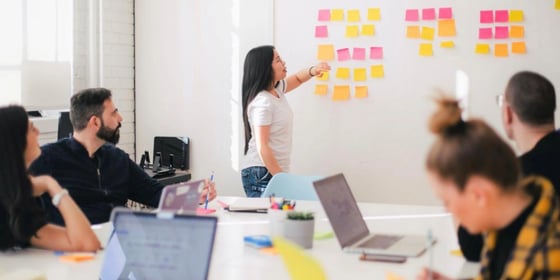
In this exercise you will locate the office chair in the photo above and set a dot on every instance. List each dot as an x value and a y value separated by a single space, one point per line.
65 128
292 186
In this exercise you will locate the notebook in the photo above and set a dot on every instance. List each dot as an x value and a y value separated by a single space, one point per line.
162 245
350 228
250 204
181 197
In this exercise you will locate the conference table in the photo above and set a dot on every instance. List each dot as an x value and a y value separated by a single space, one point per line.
232 259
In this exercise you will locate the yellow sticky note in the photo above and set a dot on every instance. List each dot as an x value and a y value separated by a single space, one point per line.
360 74
353 15
426 49
337 15
352 31
321 89
361 92
392 276
501 50
518 47
413 31
325 52
515 16
368 29
446 28
323 77
516 31
374 14
482 49
299 264
377 71
456 252
427 33
557 5
341 93
447 44
343 73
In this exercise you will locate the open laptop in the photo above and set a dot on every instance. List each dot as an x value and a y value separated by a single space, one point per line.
181 197
350 228
160 245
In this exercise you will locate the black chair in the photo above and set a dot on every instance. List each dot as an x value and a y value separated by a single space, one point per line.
64 125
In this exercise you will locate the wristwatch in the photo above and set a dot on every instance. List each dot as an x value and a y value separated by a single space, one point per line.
57 197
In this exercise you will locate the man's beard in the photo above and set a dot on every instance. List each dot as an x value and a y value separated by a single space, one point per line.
108 134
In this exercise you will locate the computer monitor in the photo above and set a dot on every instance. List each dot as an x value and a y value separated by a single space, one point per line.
177 146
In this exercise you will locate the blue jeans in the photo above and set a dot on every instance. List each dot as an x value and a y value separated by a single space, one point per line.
255 179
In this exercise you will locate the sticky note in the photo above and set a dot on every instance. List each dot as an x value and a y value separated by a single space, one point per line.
77 257
446 28
323 77
360 74
321 31
353 15
377 71
445 13
518 47
324 15
376 53
557 5
515 15
411 15
337 15
447 44
361 91
343 73
428 14
501 50
501 16
368 29
456 252
392 276
502 32
427 33
374 14
341 93
352 31
299 264
343 54
413 31
482 49
321 89
485 33
325 52
359 54
425 49
486 16
516 31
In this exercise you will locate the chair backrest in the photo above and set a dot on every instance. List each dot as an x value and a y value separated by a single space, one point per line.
292 186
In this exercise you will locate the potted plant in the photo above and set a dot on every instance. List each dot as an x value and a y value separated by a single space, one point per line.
299 228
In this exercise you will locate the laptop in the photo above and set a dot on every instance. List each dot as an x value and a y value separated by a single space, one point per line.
162 245
181 197
350 228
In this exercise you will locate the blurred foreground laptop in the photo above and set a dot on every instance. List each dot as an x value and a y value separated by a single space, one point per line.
161 245
351 229
181 197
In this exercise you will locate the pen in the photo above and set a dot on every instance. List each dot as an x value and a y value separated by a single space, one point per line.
430 255
208 192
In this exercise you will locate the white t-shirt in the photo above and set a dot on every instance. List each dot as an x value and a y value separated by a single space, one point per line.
267 109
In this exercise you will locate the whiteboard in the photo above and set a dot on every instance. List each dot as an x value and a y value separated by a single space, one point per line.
380 142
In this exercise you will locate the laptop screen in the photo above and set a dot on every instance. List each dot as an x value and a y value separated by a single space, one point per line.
183 196
341 208
158 246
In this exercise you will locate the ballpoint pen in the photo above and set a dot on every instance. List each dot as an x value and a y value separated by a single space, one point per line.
208 192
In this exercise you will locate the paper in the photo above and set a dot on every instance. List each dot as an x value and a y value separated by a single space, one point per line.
515 15
374 14
427 33
324 15
518 47
446 28
485 33
447 44
250 204
321 31
411 15
413 31
502 32
343 73
376 53
501 50
428 14
377 71
486 16
353 15
482 49
323 77
341 93
352 31
359 54
361 92
445 13
516 31
325 52
337 15
299 264
343 54
501 16
321 89
425 49
368 29
360 74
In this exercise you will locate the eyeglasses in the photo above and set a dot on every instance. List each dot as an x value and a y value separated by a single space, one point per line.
500 100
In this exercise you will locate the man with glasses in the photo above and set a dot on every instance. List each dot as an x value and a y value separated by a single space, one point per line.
528 106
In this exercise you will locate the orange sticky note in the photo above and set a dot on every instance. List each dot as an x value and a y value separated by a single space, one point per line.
446 28
447 44
482 49
341 93
352 31
323 77
269 250
515 16
426 49
353 15
337 15
413 31
516 31
501 50
427 33
361 92
343 73
392 276
321 89
374 14
360 74
77 257
377 71
325 52
368 29
518 47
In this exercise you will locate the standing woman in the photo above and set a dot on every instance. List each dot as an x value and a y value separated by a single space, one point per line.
22 220
267 116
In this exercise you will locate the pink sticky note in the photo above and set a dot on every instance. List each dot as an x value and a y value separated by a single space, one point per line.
502 32
445 13
376 53
321 31
429 14
359 54
343 54
486 16
485 33
324 15
501 15
411 15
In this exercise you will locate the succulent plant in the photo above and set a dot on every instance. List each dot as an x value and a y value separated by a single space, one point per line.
298 215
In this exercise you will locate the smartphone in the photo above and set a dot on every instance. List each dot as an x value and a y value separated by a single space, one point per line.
382 258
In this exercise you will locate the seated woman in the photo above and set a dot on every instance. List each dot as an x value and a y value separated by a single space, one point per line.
478 178
22 220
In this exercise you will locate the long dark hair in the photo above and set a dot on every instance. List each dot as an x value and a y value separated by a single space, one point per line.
257 76
16 194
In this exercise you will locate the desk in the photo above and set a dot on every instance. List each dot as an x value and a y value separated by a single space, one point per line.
179 176
233 260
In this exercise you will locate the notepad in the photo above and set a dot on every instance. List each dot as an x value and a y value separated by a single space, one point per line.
250 204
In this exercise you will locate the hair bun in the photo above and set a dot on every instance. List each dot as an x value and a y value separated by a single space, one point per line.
447 115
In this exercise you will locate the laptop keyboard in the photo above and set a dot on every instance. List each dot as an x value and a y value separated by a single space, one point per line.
380 241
